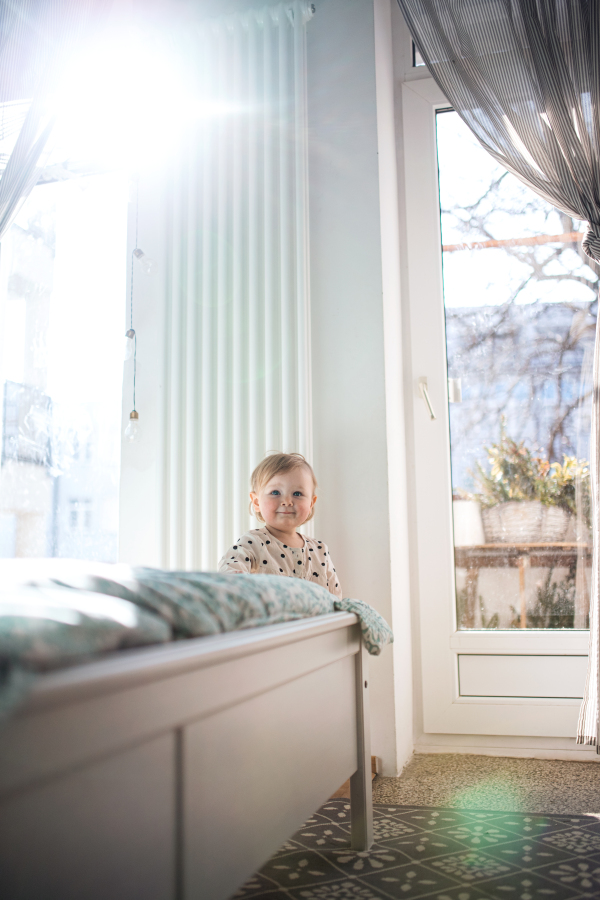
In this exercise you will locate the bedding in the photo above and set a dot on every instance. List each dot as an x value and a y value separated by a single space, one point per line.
56 613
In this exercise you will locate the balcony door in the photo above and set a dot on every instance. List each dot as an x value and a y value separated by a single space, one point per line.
502 310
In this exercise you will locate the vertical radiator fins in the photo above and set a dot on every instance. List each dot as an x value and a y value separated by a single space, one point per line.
237 379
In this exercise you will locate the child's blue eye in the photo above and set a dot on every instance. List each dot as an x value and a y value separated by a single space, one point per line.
297 493
276 493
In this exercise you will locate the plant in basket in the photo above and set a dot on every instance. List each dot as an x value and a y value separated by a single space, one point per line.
514 473
559 486
527 499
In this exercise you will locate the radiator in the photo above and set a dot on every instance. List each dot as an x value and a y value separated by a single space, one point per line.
237 379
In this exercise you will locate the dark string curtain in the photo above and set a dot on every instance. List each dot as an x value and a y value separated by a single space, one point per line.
36 39
525 77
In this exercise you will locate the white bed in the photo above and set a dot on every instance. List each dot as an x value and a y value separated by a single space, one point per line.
176 771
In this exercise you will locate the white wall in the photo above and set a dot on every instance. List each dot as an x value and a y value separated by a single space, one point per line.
390 194
355 319
356 347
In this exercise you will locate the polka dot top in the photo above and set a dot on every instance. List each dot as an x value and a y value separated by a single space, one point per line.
259 552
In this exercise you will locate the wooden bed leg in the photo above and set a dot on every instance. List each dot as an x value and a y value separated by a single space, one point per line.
361 796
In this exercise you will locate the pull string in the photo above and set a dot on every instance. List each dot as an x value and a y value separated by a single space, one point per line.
137 211
137 205
132 431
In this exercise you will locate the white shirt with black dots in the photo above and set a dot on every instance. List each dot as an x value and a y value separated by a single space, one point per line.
258 552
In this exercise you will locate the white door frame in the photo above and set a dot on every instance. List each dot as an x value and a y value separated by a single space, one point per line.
445 712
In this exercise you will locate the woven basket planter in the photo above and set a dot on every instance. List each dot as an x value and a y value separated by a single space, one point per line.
524 522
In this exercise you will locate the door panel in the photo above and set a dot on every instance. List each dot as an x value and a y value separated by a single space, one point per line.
500 675
445 709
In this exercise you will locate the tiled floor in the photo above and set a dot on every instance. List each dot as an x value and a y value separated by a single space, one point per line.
452 827
439 854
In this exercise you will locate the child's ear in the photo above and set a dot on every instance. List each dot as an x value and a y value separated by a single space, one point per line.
254 501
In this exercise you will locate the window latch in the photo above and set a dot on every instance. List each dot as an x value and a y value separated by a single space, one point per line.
425 395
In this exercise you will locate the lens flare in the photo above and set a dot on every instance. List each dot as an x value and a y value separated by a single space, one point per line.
125 100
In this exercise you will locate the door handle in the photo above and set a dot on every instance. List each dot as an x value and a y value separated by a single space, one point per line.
425 395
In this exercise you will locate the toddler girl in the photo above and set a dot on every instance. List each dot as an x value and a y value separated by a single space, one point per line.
283 497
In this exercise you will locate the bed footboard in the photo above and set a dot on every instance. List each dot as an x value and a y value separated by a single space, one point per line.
176 772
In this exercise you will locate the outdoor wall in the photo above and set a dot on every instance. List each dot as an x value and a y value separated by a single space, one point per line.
349 81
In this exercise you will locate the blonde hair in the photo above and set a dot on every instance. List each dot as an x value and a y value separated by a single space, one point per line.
271 466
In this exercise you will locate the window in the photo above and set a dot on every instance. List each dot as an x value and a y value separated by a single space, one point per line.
62 314
520 309
417 59
80 514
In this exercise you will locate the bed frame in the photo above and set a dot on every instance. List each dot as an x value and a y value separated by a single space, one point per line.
175 772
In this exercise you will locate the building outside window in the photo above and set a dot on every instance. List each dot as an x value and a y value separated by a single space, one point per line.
62 314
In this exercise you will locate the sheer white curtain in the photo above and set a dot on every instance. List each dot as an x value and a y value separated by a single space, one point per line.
36 37
525 77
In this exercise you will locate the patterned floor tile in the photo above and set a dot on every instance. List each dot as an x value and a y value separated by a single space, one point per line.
334 811
388 827
592 857
577 841
590 823
424 845
581 874
479 834
461 893
470 866
533 826
435 854
299 868
409 881
357 862
259 886
287 848
327 836
527 886
528 854
433 819
340 890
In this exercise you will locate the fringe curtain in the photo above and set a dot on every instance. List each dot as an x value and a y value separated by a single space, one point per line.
524 75
238 318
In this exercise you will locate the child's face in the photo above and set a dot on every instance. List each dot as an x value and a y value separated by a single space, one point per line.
286 500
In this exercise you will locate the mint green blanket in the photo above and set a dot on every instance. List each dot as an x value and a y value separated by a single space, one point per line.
57 613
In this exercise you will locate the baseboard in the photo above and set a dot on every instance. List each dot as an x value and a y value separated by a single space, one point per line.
517 747
525 753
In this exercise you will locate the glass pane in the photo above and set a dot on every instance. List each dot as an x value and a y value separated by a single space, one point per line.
62 314
520 306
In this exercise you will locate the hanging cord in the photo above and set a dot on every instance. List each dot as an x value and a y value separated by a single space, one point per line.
137 198
137 204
